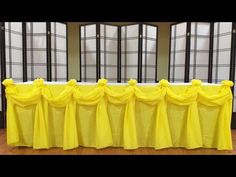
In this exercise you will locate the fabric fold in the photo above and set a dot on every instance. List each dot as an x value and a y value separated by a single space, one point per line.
101 95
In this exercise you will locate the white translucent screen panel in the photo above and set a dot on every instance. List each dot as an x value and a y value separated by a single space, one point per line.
129 52
221 51
108 50
177 53
36 50
199 51
149 51
59 51
13 51
88 53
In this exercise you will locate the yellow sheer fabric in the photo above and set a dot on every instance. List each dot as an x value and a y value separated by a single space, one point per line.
129 116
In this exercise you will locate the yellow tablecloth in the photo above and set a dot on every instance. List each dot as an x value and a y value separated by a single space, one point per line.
160 116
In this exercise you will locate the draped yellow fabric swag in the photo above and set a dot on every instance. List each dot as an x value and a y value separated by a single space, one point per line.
41 97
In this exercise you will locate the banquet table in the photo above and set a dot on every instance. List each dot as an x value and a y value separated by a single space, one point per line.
160 115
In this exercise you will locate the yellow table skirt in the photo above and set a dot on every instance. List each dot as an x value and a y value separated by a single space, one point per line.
159 116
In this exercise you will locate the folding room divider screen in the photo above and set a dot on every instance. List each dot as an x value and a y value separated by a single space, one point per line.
36 50
210 55
129 52
199 51
31 50
88 52
192 60
59 51
118 52
14 51
149 53
177 52
39 52
221 51
109 51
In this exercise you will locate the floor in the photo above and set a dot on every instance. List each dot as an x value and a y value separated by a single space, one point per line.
9 150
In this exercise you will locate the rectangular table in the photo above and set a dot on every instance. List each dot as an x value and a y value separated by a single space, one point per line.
159 115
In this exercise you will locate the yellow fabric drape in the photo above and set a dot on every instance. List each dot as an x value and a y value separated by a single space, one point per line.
71 96
192 127
224 100
70 138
